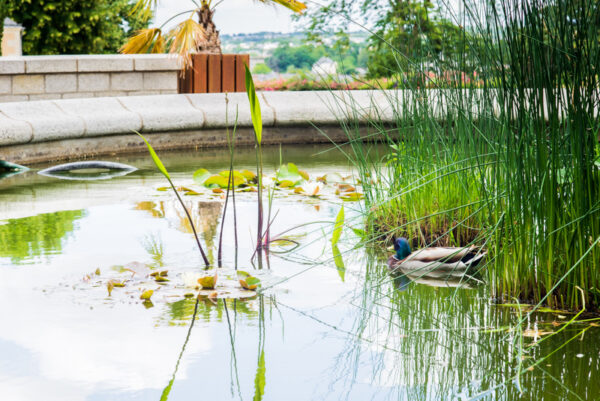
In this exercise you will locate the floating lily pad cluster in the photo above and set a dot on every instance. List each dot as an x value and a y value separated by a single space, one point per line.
140 281
288 177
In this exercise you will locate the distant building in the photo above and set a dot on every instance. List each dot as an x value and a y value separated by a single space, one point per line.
325 66
11 40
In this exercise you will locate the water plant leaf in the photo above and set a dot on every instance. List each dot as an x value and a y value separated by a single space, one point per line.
146 295
249 175
304 174
289 173
155 158
360 233
286 184
247 281
238 178
339 262
208 281
216 181
254 106
163 189
201 175
337 228
352 197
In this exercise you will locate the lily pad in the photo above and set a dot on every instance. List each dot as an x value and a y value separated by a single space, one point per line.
216 181
201 175
248 281
352 197
208 281
146 295
289 173
249 176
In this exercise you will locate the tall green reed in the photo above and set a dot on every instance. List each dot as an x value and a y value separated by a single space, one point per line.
507 157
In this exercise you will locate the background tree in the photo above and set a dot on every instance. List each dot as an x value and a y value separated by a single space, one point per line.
74 26
404 33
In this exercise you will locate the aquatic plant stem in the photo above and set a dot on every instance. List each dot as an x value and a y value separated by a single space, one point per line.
187 213
161 167
167 390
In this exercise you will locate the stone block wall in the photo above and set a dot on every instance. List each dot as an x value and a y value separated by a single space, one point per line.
83 76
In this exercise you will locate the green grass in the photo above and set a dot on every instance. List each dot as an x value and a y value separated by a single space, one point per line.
512 163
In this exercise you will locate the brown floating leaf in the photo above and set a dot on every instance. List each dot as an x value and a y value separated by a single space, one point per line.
303 174
217 190
97 272
109 286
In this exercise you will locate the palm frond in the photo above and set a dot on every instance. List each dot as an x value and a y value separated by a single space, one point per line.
143 5
142 42
185 38
293 5
160 45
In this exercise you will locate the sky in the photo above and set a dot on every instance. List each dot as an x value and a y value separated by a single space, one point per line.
233 16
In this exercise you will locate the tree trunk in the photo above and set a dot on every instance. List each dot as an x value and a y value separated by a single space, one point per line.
212 43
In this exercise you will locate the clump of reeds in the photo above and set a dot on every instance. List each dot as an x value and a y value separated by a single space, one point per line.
511 163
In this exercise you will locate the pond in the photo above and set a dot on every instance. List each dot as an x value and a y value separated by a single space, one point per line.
316 330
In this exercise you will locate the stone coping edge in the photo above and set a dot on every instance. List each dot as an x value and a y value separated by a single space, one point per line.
88 63
63 119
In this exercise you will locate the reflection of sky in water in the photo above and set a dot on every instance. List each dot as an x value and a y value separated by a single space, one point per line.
63 339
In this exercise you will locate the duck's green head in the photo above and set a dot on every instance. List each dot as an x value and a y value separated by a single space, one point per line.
402 248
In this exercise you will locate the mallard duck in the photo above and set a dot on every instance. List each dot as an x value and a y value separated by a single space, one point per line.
434 261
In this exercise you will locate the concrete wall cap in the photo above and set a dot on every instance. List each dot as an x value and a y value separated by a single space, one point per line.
101 63
38 64
12 65
102 116
46 119
156 62
14 132
164 112
214 105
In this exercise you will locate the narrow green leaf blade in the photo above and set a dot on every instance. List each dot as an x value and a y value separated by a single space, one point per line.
254 106
339 262
337 229
155 158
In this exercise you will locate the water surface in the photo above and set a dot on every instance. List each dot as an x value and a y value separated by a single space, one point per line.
317 332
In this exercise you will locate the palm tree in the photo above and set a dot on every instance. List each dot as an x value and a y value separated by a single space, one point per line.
188 36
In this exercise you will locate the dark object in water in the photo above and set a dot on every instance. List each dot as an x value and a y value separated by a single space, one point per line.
88 170
7 169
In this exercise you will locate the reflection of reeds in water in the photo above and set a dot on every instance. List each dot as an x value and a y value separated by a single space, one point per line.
229 311
427 343
205 217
